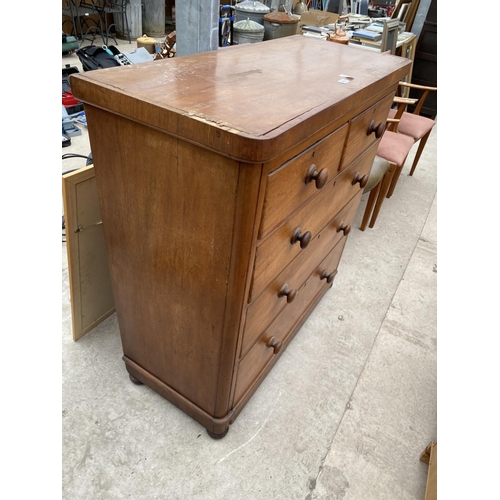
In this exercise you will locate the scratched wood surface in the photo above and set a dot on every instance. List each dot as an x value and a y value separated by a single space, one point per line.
222 99
182 150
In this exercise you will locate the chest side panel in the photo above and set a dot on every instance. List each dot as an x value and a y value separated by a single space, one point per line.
168 215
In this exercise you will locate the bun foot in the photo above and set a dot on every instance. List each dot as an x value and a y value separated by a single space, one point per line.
217 436
135 380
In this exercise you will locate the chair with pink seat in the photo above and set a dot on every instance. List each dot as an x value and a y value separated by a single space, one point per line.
392 152
414 125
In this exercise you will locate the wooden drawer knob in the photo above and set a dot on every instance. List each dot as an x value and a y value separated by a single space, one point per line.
286 292
320 177
378 129
346 228
304 239
275 344
362 180
329 277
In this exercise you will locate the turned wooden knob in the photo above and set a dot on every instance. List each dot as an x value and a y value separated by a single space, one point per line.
329 277
346 228
362 180
320 177
378 129
286 292
275 344
304 239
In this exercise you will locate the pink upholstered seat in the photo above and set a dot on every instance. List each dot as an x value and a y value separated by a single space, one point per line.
415 126
395 147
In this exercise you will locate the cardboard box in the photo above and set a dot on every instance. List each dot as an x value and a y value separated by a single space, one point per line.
318 18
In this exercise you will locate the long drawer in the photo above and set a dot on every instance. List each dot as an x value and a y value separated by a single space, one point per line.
276 334
300 178
294 235
268 304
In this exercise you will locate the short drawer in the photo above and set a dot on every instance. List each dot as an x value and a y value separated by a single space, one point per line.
301 178
291 238
365 129
262 311
277 334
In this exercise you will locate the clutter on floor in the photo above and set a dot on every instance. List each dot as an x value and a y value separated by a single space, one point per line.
92 58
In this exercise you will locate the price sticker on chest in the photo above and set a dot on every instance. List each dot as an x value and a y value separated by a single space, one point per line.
345 78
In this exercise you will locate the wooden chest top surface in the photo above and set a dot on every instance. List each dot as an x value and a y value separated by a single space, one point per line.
254 91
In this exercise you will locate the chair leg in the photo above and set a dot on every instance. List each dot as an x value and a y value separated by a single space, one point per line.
80 29
384 187
369 206
394 181
419 151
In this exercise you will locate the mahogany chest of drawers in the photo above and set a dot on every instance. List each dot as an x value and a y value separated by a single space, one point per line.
228 182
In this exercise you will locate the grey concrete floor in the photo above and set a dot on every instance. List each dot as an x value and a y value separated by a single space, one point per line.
344 414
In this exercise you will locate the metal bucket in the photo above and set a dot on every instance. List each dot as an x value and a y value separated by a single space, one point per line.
278 24
254 11
258 17
248 31
276 30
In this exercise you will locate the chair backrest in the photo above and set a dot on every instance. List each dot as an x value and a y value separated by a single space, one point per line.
422 90
390 36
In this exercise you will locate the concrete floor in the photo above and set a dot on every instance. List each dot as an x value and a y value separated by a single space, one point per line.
344 414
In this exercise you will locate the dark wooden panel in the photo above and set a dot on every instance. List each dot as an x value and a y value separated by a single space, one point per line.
425 63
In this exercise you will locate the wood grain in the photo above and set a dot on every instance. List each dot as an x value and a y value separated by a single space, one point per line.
286 186
217 99
276 251
358 139
251 366
262 311
169 212
184 153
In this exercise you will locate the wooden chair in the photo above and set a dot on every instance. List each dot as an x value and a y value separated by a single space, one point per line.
414 124
392 151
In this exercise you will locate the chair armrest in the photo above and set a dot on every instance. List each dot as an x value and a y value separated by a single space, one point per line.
404 100
425 90
392 124
402 103
415 86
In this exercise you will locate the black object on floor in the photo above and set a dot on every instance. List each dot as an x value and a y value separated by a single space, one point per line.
66 141
93 57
